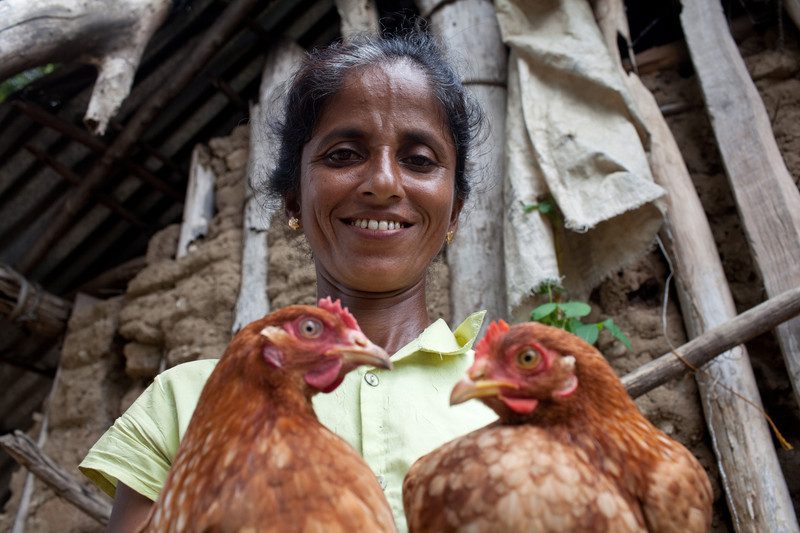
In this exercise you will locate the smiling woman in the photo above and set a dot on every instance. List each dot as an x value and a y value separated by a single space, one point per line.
371 168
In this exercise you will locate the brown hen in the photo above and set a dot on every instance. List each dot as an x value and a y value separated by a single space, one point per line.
254 457
571 452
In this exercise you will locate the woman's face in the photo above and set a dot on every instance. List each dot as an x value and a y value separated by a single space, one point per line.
377 181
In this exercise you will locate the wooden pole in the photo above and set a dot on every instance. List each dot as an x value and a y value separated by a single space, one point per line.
713 342
751 475
24 451
469 27
253 303
765 193
215 37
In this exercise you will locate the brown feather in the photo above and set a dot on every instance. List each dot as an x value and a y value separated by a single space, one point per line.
255 457
587 461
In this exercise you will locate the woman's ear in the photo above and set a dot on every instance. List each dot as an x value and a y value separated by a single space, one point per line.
457 206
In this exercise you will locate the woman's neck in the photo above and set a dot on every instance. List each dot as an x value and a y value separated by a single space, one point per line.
390 320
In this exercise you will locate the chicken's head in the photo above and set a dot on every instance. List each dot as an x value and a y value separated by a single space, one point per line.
321 344
519 368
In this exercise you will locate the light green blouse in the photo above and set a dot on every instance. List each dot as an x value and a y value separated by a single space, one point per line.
390 417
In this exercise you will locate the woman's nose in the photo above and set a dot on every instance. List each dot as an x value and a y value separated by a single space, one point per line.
383 181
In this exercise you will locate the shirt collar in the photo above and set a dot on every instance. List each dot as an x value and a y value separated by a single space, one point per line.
438 339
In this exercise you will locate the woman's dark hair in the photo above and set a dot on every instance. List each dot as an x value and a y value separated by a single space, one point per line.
320 77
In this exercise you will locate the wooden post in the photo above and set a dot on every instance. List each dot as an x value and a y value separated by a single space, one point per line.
469 28
252 302
357 16
199 206
765 193
751 475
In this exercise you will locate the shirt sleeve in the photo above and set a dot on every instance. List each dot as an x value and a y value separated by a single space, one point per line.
139 448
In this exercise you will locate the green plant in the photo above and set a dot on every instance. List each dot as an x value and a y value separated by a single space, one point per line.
567 316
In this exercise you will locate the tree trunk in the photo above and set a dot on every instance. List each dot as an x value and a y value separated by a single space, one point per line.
110 35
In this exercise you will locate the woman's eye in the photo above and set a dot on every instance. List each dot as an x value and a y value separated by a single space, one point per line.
528 358
342 156
419 161
310 328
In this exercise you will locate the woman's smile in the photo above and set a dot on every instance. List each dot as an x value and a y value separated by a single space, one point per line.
377 189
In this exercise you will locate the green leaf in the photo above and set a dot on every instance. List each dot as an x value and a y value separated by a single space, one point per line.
528 208
543 310
575 309
545 207
617 333
587 332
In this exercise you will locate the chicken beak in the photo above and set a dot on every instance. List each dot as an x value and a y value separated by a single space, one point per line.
466 389
361 351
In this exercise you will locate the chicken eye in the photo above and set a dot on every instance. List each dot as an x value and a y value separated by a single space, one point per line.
311 328
528 358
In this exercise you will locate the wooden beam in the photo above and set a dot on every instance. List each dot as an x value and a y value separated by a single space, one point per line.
114 277
73 179
24 451
766 195
713 342
56 123
24 302
214 38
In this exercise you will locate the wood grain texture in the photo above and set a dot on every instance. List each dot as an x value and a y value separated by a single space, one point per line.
253 302
765 193
24 451
471 33
751 475
756 490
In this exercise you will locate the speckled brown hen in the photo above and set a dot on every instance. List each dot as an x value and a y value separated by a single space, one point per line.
254 457
571 452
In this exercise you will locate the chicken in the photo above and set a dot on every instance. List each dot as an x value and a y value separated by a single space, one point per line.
570 451
254 457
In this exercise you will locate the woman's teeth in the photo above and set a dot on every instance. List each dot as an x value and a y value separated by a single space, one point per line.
381 225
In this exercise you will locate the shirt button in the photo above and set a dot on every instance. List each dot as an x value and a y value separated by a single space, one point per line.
382 482
371 379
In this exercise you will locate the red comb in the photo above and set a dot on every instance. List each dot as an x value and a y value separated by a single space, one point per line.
494 331
336 308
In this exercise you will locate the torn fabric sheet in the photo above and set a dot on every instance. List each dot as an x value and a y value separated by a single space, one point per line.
572 133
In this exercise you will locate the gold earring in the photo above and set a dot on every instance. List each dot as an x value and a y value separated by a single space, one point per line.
450 236
294 223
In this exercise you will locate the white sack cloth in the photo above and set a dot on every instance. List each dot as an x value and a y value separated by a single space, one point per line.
572 133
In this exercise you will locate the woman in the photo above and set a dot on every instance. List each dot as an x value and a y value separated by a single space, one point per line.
371 166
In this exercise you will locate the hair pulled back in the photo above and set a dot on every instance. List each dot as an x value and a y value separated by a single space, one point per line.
321 75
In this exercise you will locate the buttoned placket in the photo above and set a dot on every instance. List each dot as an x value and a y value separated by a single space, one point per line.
373 402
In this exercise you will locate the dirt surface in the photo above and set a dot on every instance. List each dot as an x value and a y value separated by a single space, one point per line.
179 310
